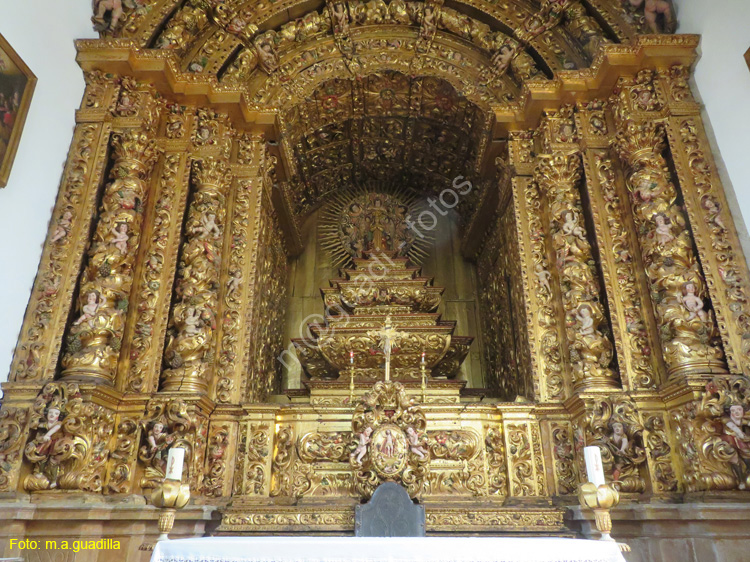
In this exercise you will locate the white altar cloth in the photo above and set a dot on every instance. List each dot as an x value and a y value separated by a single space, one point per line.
392 549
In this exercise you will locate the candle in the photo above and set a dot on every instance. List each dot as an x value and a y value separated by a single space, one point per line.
594 467
175 460
351 357
423 354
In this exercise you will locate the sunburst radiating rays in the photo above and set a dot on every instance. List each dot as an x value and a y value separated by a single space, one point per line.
360 218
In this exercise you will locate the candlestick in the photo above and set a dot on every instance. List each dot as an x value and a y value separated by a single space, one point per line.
594 466
175 460
351 358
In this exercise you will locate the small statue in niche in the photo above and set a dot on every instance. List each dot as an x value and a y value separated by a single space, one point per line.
192 323
429 23
63 227
734 435
503 57
692 302
266 55
120 237
89 310
126 105
364 441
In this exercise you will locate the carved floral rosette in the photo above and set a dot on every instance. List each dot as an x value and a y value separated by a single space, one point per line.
166 425
615 427
68 450
389 441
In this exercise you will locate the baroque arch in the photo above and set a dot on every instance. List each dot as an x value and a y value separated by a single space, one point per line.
611 291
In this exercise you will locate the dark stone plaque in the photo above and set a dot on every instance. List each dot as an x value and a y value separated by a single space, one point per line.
389 513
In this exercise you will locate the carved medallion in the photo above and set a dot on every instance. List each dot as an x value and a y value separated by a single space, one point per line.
390 443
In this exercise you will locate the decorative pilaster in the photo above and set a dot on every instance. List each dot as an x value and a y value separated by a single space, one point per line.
146 330
590 350
719 250
678 290
240 283
190 342
39 343
634 329
95 337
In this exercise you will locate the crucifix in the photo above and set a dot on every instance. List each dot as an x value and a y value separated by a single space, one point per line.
387 336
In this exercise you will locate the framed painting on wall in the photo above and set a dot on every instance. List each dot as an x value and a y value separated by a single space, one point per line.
747 57
16 87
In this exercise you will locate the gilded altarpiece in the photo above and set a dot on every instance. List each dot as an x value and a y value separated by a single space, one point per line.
613 290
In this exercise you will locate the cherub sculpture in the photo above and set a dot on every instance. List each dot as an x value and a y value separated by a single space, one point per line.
120 237
63 227
89 310
115 10
207 226
414 445
692 302
364 441
651 11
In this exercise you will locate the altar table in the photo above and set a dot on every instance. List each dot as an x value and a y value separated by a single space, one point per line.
392 549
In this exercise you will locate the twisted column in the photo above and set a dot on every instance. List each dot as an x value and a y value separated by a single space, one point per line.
93 344
558 174
192 325
689 336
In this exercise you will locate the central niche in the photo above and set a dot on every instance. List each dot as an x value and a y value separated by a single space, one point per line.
358 223
355 232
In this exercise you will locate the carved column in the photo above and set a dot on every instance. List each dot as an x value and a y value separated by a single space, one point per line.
590 350
634 328
193 321
542 306
678 290
716 241
94 340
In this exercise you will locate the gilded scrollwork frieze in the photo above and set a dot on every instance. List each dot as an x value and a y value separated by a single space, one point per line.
251 476
123 455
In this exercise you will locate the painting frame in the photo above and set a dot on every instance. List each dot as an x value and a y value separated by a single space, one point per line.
747 58
18 117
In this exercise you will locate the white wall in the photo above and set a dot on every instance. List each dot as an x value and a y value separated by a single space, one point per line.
42 33
722 81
